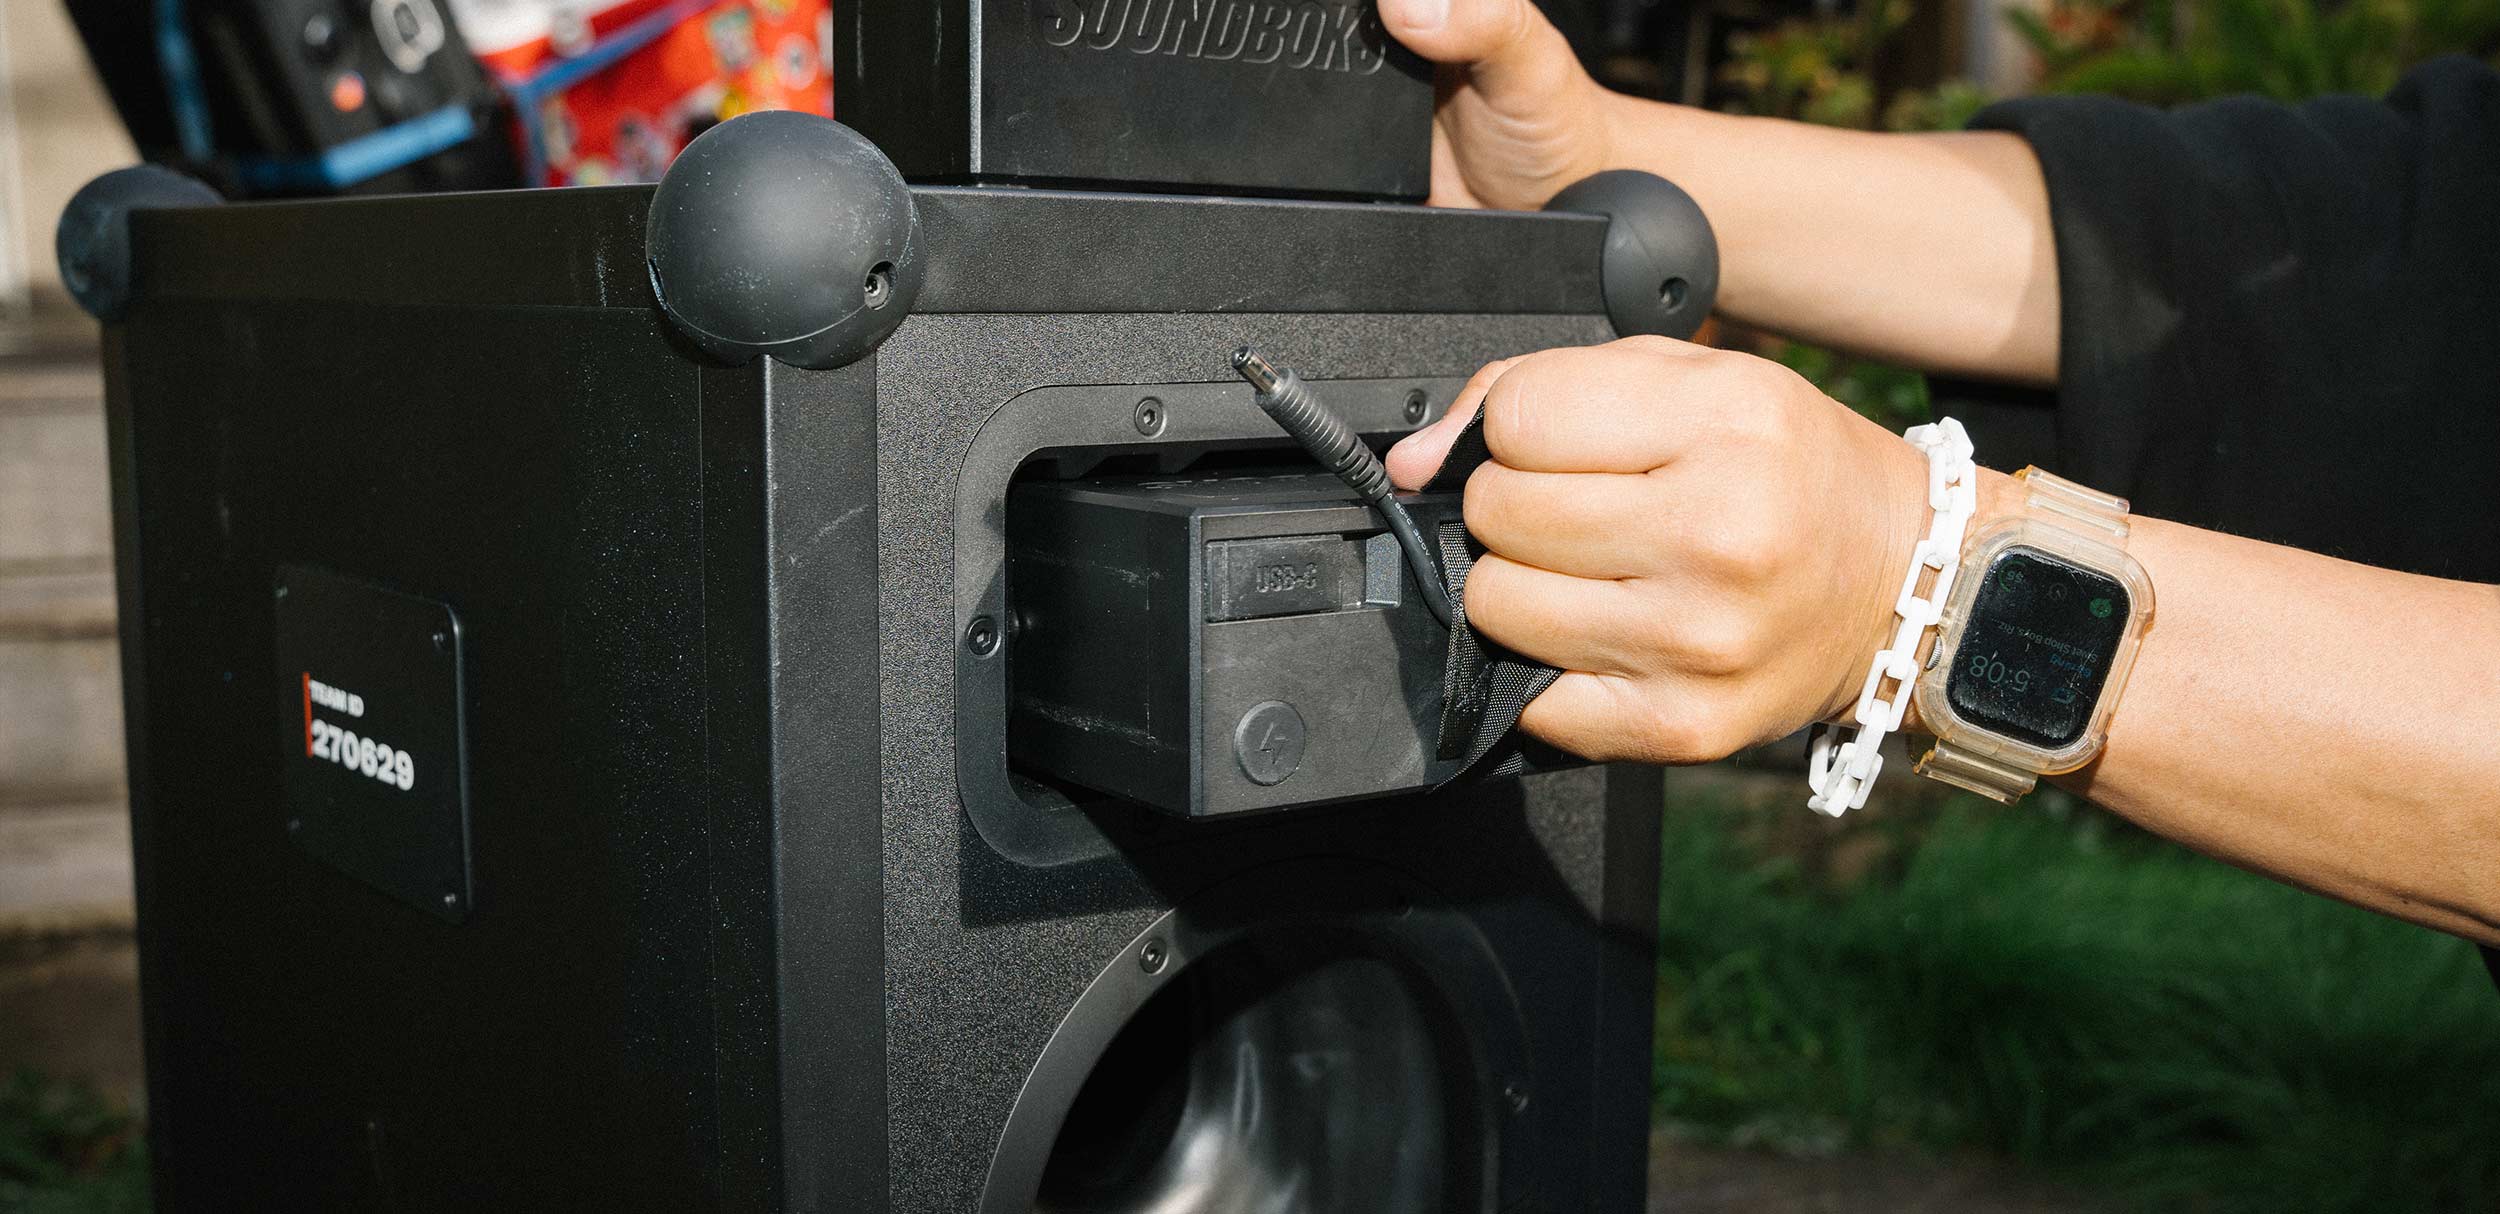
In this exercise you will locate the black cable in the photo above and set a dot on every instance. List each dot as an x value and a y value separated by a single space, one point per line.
1418 557
1285 397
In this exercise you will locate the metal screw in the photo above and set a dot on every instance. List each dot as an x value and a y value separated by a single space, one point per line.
1516 1097
982 636
451 902
1149 417
281 592
442 641
1415 405
1150 958
295 826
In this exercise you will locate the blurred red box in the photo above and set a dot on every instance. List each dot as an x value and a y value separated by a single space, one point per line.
606 93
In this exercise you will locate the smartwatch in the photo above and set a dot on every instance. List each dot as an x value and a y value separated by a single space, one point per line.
2034 647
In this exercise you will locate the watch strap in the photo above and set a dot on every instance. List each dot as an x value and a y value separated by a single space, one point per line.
2062 503
1991 778
2056 502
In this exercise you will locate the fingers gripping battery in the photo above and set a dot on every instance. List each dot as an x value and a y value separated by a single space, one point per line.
1485 687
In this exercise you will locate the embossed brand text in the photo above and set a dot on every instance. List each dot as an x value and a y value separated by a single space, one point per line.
1298 34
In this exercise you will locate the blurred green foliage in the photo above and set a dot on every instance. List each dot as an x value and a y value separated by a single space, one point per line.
1891 395
1813 69
2163 52
2173 1032
65 1149
1819 70
2167 52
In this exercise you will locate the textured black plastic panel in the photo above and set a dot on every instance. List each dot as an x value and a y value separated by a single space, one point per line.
1309 97
989 251
542 494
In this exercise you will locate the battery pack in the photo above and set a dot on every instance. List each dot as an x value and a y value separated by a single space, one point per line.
1221 645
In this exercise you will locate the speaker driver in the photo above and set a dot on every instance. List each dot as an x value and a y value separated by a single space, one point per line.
1337 1058
1274 1077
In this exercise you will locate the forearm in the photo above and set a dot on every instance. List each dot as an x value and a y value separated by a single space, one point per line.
1930 250
2319 721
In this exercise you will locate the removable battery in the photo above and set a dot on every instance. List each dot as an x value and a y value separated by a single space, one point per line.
1221 644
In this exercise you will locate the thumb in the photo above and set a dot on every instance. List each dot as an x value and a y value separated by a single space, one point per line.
1417 456
1491 36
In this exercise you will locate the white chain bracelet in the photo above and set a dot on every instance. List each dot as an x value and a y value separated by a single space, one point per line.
1842 762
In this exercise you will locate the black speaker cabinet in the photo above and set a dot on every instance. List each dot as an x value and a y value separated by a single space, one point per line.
569 770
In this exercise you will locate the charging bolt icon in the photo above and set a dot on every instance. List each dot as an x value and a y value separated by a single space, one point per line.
1268 742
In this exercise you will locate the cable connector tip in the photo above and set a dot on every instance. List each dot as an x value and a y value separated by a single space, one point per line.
1253 366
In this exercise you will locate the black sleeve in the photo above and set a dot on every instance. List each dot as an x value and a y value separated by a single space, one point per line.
2281 321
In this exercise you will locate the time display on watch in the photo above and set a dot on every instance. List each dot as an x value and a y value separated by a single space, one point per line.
2037 648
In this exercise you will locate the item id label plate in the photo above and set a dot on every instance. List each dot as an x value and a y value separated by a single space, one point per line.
375 734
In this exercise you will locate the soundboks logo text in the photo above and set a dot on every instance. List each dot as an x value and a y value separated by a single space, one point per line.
1299 34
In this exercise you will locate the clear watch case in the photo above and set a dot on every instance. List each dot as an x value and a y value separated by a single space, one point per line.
2015 685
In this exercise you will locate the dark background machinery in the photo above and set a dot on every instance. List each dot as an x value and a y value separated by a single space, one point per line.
295 97
571 699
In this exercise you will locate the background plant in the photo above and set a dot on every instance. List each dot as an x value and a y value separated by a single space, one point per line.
64 1149
2166 52
2096 1003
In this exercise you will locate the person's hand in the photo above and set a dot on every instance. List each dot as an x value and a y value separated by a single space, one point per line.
1708 546
1518 118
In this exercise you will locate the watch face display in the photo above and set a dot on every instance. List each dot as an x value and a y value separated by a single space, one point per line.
2037 648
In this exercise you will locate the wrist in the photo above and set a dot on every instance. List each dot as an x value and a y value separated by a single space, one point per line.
1611 114
2000 497
1653 136
1926 507
1908 517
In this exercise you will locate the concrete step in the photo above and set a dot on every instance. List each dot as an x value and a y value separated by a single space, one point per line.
60 696
65 601
70 380
65 870
60 693
50 328
55 499
69 969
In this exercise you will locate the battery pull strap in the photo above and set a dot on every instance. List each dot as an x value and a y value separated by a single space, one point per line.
1484 687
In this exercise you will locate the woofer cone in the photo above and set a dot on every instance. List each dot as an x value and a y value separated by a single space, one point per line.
1282 1072
1316 1037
